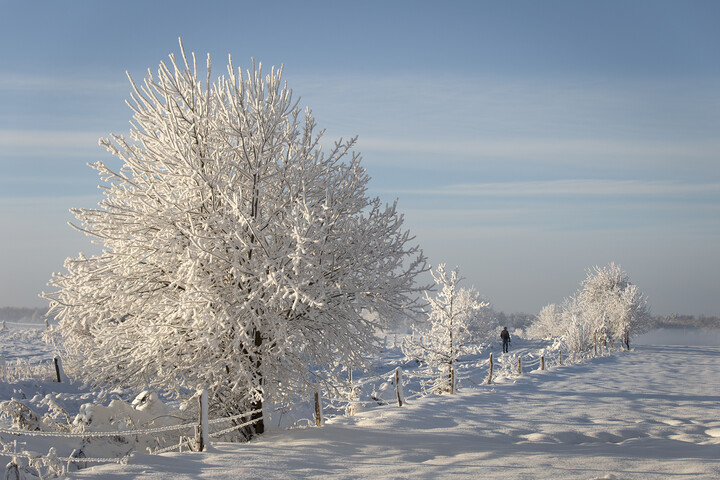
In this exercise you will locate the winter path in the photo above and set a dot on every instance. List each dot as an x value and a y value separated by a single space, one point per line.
649 414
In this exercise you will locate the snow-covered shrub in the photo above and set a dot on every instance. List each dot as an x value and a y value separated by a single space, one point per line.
611 304
607 308
508 365
548 323
454 319
22 416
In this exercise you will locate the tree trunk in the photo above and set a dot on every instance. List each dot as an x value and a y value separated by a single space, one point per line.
255 418
256 407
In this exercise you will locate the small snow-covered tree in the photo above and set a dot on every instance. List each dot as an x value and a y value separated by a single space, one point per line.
576 332
612 305
454 311
237 254
548 323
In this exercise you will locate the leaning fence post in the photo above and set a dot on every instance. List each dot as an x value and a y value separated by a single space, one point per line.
398 387
489 380
318 409
56 362
202 437
542 362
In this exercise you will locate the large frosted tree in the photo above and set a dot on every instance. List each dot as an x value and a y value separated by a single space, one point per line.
238 255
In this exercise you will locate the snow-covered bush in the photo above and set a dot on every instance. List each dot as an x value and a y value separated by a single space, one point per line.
548 323
611 304
606 308
454 319
236 252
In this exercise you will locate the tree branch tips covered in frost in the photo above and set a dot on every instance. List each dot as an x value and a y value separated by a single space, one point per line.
236 253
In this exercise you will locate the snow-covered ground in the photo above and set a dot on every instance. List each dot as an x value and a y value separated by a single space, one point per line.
646 414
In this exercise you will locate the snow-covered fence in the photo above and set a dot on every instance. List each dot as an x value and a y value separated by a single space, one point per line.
58 465
202 439
14 370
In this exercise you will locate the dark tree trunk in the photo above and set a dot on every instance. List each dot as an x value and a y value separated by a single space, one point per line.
257 427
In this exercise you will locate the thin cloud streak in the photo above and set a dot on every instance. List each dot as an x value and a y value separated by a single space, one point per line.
59 84
579 187
558 150
29 143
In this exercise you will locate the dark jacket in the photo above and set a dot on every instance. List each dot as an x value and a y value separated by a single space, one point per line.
505 335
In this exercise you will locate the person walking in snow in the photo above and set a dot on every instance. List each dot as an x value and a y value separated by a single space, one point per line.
505 335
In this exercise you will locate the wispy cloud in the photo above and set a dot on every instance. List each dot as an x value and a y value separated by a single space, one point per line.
10 82
552 150
29 143
579 187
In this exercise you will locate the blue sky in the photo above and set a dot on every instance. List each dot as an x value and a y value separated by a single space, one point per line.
526 140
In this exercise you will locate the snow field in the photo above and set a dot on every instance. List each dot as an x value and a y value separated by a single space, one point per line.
646 414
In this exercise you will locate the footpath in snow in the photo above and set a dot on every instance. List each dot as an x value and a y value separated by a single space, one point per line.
648 414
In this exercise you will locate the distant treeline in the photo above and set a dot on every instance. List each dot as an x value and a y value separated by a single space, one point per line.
684 321
23 314
523 320
515 320
510 320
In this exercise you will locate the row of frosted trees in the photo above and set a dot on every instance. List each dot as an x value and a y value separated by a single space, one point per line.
606 309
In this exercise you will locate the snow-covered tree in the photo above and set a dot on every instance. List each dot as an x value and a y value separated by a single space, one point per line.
576 333
611 304
453 321
549 323
607 307
237 254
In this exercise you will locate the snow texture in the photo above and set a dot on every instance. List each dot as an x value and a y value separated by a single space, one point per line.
650 413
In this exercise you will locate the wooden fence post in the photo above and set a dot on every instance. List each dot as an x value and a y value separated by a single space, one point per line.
542 362
452 379
56 362
398 387
519 366
560 357
202 434
489 380
318 409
